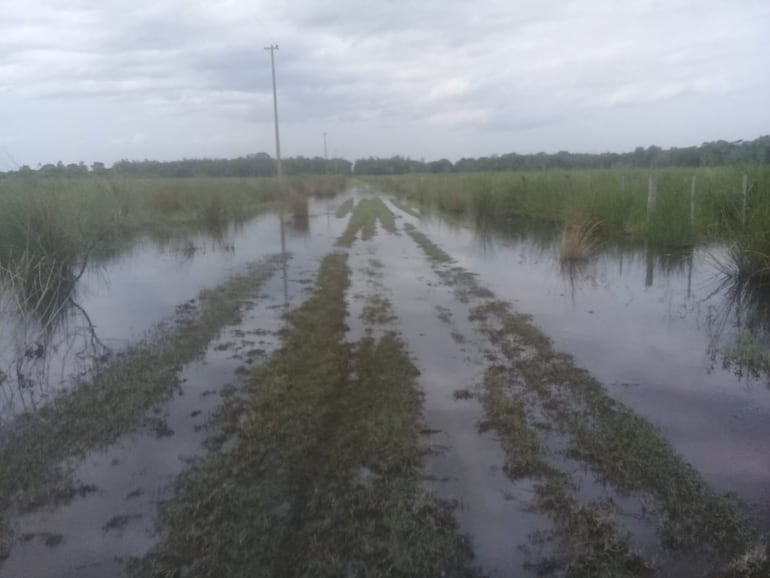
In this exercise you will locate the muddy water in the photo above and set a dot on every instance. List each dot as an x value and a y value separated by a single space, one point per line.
465 464
117 302
642 323
113 520
637 321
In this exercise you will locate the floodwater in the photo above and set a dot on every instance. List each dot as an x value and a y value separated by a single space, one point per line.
117 302
464 466
111 519
643 323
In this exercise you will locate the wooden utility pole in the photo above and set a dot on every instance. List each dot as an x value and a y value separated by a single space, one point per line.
279 168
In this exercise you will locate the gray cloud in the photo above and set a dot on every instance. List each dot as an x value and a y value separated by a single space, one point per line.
81 79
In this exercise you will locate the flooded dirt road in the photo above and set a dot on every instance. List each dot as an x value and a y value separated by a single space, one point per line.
555 447
102 513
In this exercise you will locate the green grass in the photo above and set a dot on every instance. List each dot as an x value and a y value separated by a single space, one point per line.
324 479
435 253
63 217
621 447
364 219
590 542
345 208
378 310
52 228
616 198
117 396
748 254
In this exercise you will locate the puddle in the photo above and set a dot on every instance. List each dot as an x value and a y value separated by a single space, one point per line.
101 529
642 324
464 466
366 286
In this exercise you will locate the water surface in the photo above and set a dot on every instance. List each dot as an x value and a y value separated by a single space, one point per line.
644 323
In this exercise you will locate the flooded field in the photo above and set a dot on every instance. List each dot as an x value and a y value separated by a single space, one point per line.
654 328
119 302
361 391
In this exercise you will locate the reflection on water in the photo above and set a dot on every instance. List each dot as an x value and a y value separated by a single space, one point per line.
738 325
576 273
41 319
51 338
661 329
732 314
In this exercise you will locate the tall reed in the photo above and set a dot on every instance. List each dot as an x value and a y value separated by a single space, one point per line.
616 197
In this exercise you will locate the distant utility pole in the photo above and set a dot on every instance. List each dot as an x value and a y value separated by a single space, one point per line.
279 168
326 156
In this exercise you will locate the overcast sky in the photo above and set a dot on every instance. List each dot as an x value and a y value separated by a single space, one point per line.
100 80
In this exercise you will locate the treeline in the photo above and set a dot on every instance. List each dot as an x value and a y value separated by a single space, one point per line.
718 153
255 165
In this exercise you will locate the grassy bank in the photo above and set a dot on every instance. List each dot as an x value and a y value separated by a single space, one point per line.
324 477
616 199
116 397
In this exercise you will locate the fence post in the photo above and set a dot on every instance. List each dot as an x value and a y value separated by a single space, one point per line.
692 201
623 185
744 193
649 276
651 194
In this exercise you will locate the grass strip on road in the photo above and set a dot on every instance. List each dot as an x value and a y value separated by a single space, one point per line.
364 218
623 449
433 252
117 397
345 208
324 479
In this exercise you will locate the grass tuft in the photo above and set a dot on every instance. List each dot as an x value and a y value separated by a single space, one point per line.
579 240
